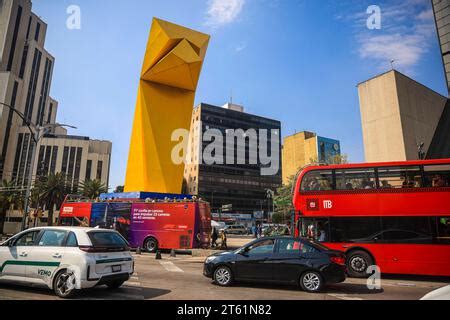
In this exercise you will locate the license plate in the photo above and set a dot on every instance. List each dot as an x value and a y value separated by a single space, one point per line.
116 268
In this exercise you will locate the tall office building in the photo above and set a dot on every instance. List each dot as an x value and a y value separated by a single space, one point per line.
304 148
26 70
397 114
241 185
440 144
441 9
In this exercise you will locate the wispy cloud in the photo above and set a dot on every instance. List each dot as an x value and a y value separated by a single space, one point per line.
405 35
222 12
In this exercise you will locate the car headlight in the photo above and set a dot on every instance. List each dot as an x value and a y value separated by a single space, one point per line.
210 259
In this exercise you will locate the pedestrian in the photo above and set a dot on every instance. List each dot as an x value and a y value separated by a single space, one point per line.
259 231
214 237
223 238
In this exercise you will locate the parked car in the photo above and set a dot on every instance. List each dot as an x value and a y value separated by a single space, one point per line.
278 259
66 259
236 229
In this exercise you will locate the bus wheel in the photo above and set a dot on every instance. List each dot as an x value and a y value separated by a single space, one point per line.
151 245
357 263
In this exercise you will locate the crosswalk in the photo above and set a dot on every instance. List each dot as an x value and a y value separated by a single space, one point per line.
170 266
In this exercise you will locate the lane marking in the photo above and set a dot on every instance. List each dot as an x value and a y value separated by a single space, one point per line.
169 266
343 296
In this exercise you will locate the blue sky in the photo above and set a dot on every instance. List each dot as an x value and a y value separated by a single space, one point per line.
297 61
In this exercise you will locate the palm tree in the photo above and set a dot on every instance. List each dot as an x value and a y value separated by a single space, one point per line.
10 199
92 188
52 191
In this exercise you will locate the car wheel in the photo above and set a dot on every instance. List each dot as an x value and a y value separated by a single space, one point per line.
64 284
115 284
357 264
223 276
151 245
311 281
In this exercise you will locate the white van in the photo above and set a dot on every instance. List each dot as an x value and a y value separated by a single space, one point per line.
66 259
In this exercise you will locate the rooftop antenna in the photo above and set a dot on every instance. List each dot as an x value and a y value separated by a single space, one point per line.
231 96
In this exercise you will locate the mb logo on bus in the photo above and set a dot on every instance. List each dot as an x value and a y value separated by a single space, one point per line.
327 204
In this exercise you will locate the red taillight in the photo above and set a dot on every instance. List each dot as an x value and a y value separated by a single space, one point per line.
338 260
91 249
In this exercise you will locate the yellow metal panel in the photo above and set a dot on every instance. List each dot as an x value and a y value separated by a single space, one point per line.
169 77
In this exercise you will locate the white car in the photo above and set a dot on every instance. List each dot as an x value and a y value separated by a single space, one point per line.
66 259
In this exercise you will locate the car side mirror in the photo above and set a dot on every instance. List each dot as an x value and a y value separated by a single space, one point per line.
244 252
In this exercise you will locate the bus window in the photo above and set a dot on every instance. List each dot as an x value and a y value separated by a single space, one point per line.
315 229
443 230
396 178
406 230
437 176
358 179
317 181
362 230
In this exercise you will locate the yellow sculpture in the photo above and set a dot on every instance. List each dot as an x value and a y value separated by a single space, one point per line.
169 77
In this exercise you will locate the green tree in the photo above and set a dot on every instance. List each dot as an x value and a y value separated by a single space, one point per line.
51 191
92 188
283 201
10 199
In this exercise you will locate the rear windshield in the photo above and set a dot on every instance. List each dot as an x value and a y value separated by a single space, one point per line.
107 239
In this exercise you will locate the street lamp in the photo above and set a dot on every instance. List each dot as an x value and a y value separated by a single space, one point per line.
37 133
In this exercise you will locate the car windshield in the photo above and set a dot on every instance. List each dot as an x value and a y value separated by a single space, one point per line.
107 239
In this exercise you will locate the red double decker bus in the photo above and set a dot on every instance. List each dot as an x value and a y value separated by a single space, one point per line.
395 215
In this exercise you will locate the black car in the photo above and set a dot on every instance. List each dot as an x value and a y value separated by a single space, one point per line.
278 259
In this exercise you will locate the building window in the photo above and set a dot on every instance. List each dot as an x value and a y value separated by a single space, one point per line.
99 170
88 170
71 162
14 39
38 30
48 154
40 163
29 27
17 157
24 61
77 168
65 160
44 91
8 128
50 111
54 158
30 148
32 85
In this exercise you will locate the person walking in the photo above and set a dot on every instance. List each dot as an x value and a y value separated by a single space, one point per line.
259 231
223 240
214 237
